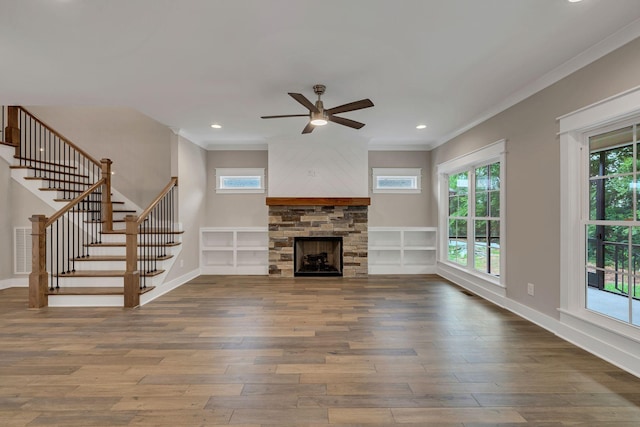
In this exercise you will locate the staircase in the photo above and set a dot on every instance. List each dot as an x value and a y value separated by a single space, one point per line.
95 250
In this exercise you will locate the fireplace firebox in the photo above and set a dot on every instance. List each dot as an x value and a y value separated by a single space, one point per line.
317 256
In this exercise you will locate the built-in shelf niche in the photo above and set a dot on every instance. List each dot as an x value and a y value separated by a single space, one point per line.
234 250
402 250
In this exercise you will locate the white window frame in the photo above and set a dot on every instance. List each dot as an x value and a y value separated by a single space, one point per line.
492 153
575 129
413 173
222 173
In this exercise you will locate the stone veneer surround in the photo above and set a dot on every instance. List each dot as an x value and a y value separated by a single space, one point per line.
324 219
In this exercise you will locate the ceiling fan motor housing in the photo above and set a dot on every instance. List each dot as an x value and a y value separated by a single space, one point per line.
319 89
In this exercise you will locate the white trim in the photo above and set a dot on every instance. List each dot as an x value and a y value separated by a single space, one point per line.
16 282
615 108
593 53
168 286
473 158
607 345
474 282
238 147
240 172
596 330
414 173
423 146
486 155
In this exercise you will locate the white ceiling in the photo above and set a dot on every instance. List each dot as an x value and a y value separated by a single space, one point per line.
189 63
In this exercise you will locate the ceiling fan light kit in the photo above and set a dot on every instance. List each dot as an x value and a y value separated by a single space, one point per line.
318 116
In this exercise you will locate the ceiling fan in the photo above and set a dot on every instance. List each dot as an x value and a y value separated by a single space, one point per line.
318 116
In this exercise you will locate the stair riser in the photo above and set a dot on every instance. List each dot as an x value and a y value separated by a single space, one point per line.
55 172
106 265
89 282
98 282
121 238
102 251
86 301
120 250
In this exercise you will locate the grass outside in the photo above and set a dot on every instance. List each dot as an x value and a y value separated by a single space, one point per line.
622 289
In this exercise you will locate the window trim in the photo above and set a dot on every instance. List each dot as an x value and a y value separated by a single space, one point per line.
575 129
494 152
221 173
415 173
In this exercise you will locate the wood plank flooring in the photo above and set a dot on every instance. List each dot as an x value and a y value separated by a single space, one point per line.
253 351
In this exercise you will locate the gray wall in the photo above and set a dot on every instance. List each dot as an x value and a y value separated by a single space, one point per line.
138 145
19 206
192 193
533 170
407 210
6 226
235 210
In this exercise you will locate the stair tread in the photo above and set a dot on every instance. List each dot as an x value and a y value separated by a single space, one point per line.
28 159
105 273
123 244
117 258
86 290
113 202
56 172
68 190
155 231
66 181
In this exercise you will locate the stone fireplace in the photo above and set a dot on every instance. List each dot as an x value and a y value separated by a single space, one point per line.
311 217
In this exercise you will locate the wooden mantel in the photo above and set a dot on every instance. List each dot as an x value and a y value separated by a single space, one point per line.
318 201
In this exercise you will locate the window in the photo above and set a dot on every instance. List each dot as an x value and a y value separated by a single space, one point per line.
396 180
240 180
472 210
600 222
612 226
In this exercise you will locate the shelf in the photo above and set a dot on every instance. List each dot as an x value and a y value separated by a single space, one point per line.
402 250
252 258
217 258
234 250
252 239
217 239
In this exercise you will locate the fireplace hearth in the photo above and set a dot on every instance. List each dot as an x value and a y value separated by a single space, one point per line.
317 256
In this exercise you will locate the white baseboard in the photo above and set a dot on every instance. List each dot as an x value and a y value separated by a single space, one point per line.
16 282
607 345
487 290
168 286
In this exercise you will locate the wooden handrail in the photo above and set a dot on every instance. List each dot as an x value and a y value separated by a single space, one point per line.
172 183
66 140
74 202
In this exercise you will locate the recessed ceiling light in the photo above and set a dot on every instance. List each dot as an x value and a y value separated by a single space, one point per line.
574 1
216 126
421 127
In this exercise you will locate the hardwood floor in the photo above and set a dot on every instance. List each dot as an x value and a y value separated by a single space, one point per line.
253 351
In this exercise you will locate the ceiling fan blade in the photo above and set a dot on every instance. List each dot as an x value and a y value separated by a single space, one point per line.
345 122
308 128
285 115
357 105
304 101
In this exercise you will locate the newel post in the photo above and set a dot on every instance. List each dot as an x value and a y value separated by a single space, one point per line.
12 130
39 278
107 207
132 275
